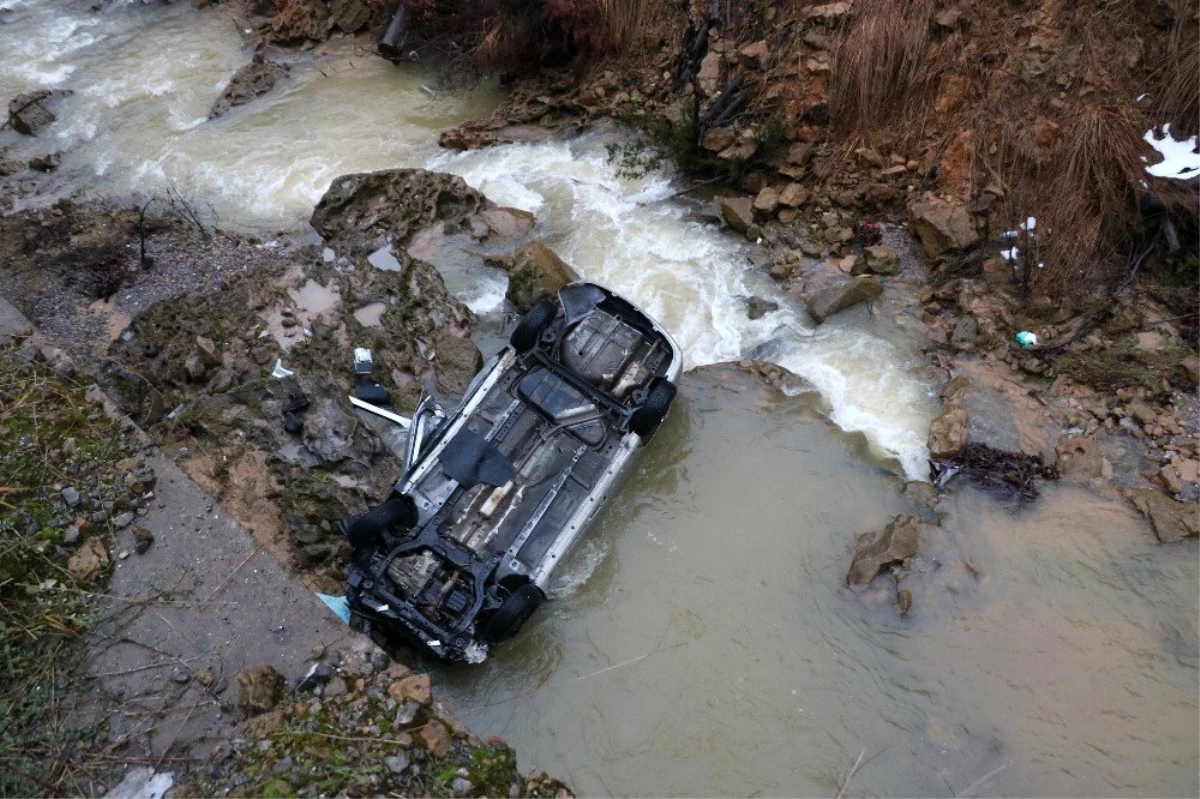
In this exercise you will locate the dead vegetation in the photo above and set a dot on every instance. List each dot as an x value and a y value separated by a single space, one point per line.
496 36
880 71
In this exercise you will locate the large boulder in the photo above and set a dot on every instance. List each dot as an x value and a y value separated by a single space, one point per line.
878 260
366 208
898 541
349 16
949 432
942 225
29 113
1172 521
298 21
738 212
835 299
248 83
537 272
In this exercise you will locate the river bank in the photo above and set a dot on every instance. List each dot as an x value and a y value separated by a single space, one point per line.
186 342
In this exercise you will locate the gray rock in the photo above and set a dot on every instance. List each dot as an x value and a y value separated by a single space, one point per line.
123 520
536 273
336 687
460 785
966 333
738 212
835 299
407 712
194 367
29 113
180 676
71 536
349 16
70 496
248 83
46 162
397 763
942 225
949 432
757 307
879 260
899 540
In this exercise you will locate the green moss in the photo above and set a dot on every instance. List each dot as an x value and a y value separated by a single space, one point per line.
1122 365
60 438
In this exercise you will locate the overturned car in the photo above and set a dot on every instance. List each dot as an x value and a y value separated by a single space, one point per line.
495 494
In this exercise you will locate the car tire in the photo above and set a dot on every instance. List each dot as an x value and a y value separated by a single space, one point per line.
646 419
364 529
507 620
529 330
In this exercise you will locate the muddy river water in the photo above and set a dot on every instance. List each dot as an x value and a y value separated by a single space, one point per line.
703 642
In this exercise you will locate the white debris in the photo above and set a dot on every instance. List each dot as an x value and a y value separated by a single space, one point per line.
1010 255
279 372
1180 161
142 783
1141 97
1030 224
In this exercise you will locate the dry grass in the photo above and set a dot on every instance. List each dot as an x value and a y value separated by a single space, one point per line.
1085 203
880 70
1178 95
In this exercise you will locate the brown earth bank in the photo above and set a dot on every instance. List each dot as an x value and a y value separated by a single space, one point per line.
1019 168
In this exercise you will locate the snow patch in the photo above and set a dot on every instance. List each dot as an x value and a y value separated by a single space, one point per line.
1180 161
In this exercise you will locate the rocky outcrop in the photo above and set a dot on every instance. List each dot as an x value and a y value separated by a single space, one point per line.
895 543
1171 521
942 225
349 16
298 21
738 212
835 299
877 260
537 272
30 113
949 433
363 210
248 83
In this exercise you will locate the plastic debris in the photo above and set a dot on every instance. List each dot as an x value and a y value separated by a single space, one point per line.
1010 255
142 781
1026 339
338 604
279 372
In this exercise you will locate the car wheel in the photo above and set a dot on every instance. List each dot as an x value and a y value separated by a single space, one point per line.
529 330
507 620
364 529
646 419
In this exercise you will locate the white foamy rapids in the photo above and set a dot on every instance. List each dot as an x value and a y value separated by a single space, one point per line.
694 279
686 274
869 388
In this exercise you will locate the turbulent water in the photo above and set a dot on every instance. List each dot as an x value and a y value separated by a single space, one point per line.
703 642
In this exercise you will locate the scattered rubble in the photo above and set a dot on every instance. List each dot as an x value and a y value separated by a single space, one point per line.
894 544
380 732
